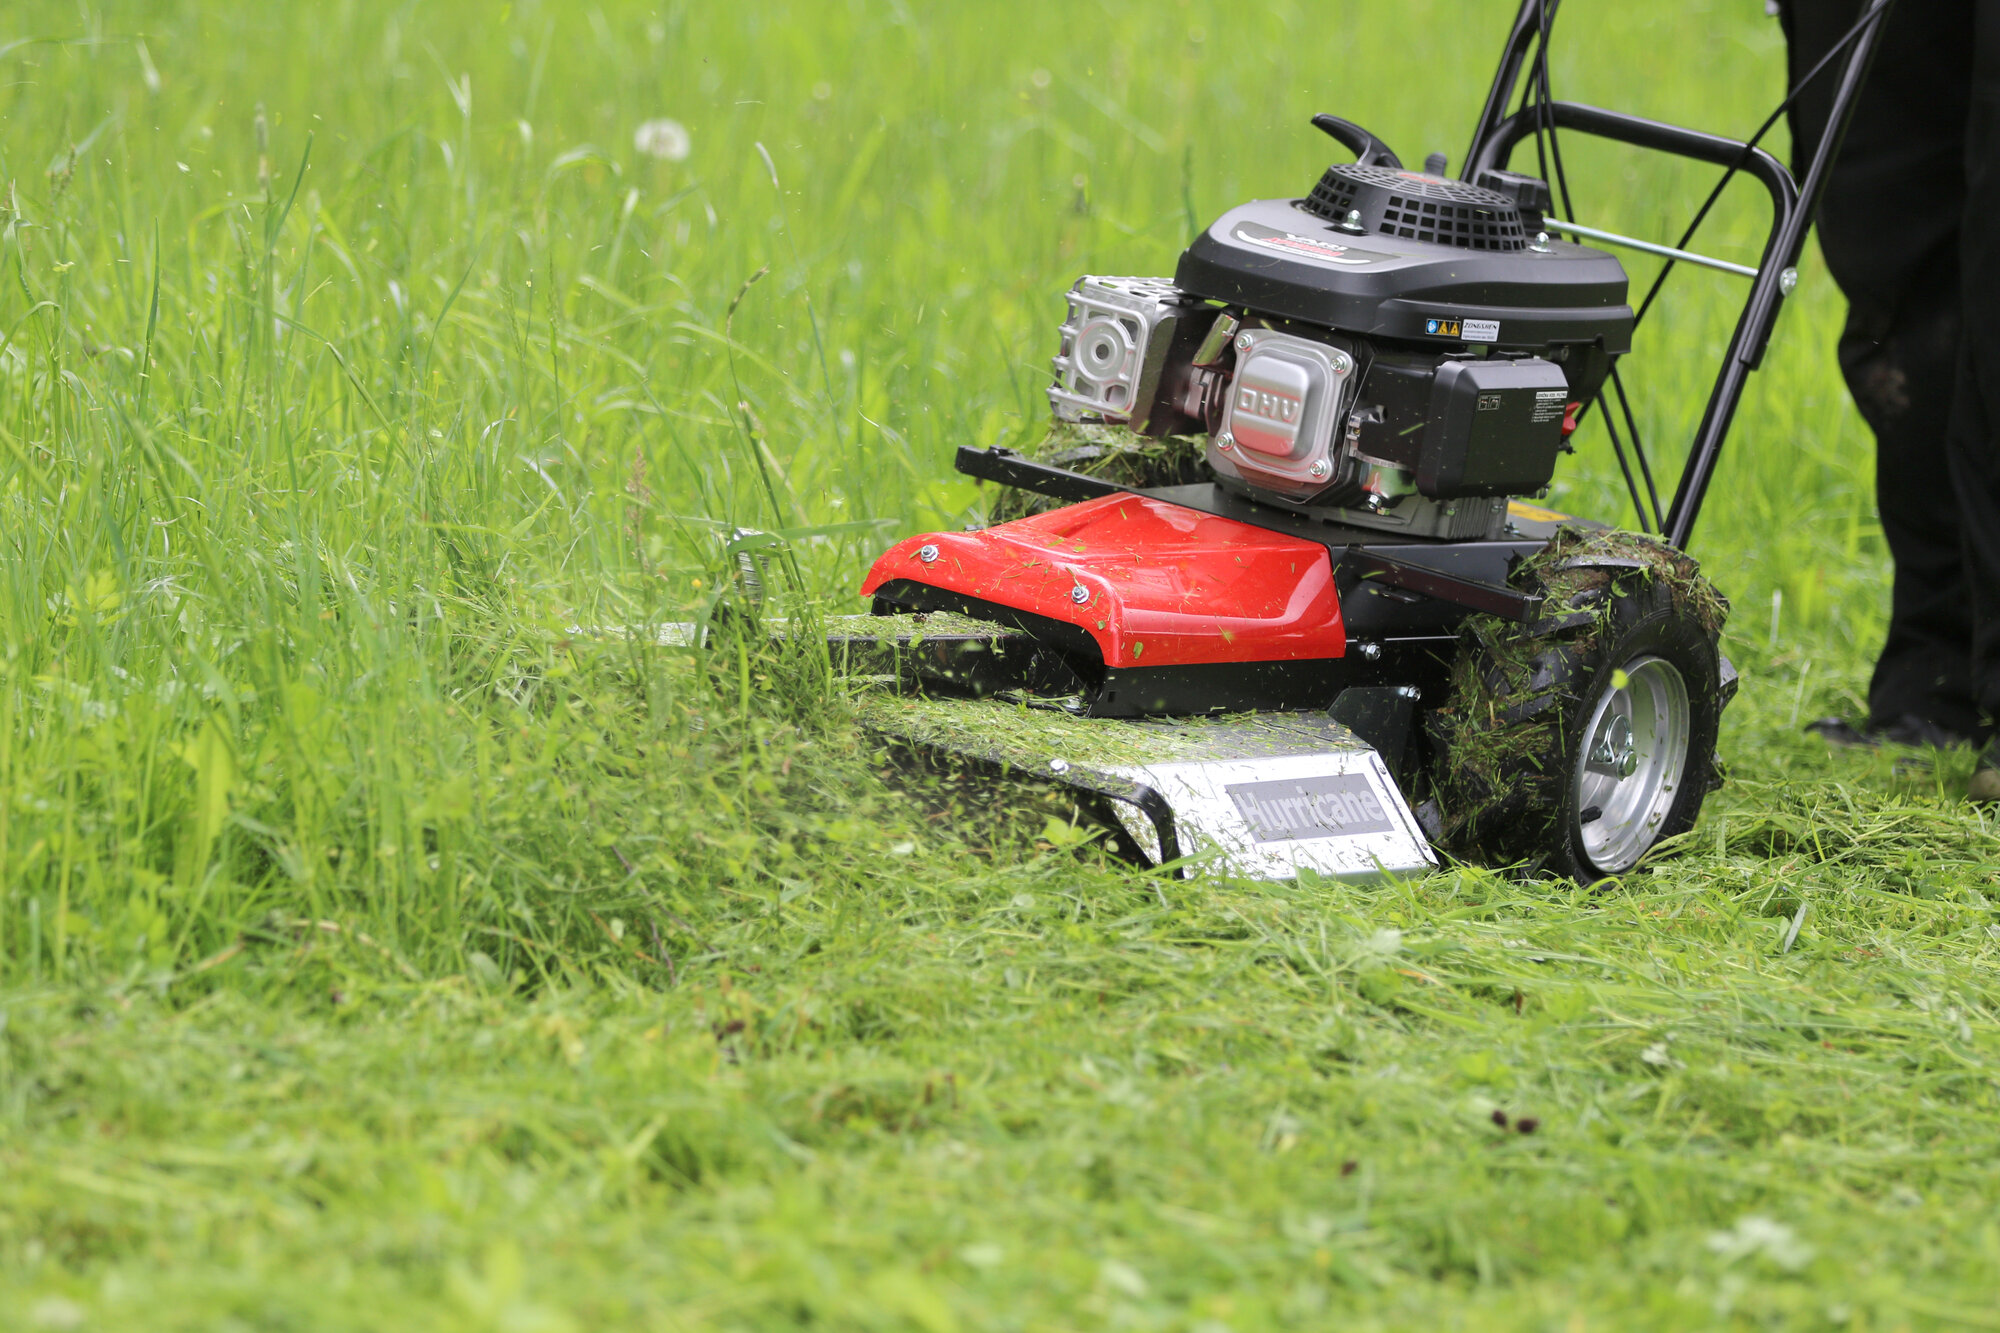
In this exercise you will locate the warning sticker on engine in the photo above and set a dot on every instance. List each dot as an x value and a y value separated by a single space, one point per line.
1550 404
1313 248
1482 330
1335 806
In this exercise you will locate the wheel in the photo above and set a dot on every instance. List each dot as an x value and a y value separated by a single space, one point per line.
1578 741
1632 762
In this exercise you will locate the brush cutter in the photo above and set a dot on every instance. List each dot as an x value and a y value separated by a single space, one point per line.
1277 596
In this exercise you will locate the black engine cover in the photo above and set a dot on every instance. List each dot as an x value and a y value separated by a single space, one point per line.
1494 429
1276 258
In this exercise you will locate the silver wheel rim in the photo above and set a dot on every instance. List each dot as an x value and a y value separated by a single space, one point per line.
1629 772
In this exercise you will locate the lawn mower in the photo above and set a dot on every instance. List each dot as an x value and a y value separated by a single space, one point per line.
1298 609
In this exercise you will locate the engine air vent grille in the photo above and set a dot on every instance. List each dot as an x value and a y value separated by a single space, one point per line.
1417 207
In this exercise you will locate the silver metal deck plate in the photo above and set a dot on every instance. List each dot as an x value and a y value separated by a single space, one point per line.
1262 795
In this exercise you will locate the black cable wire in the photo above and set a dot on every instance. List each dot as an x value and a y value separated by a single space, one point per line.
1548 108
1631 486
1529 100
1638 449
1632 425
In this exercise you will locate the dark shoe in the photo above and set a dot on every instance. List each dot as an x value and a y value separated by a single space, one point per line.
1985 785
1909 729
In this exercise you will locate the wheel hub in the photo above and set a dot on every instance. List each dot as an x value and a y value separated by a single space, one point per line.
1630 771
1614 750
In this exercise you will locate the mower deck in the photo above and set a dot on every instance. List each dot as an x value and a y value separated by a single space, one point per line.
1259 794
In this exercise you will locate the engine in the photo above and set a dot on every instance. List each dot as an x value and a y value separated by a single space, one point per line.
1398 350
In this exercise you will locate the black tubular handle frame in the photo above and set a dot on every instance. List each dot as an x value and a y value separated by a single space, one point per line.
1792 208
1495 150
1527 27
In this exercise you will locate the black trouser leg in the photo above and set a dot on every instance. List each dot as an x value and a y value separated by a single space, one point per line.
1902 372
1973 443
1890 227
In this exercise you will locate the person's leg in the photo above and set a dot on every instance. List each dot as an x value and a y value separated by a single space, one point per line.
1902 370
1889 228
1973 444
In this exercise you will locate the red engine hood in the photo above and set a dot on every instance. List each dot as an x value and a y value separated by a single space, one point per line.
1162 585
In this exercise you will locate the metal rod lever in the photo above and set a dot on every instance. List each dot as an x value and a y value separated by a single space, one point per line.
1650 247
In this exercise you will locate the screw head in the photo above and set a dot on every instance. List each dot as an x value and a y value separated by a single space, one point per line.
1320 467
1353 218
1342 363
928 552
1225 441
1788 281
1243 341
1369 651
1079 594
1409 692
1058 765
1541 238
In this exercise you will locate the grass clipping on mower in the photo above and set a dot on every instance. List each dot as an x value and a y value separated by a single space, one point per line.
1111 452
1495 734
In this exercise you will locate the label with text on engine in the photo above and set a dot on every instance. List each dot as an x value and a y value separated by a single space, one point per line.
1304 247
1291 809
1467 330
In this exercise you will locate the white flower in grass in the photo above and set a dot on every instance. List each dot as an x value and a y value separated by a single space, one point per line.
665 139
1762 1237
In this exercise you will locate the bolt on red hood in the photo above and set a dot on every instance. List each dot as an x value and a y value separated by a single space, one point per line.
1162 585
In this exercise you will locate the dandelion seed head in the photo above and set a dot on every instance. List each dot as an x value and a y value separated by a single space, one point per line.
664 139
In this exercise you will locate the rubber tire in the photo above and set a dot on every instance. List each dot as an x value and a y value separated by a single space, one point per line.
1520 805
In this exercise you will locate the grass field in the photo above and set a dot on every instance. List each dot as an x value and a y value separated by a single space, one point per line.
377 951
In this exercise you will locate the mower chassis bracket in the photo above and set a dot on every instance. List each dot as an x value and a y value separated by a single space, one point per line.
1474 594
1011 469
1425 569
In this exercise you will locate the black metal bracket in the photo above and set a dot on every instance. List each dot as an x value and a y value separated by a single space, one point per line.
1494 599
1011 469
1384 716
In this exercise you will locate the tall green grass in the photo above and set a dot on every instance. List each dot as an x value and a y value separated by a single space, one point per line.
386 937
355 352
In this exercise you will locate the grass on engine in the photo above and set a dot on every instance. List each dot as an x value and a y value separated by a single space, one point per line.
391 936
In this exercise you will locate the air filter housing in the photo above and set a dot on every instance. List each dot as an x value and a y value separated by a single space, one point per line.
1412 205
